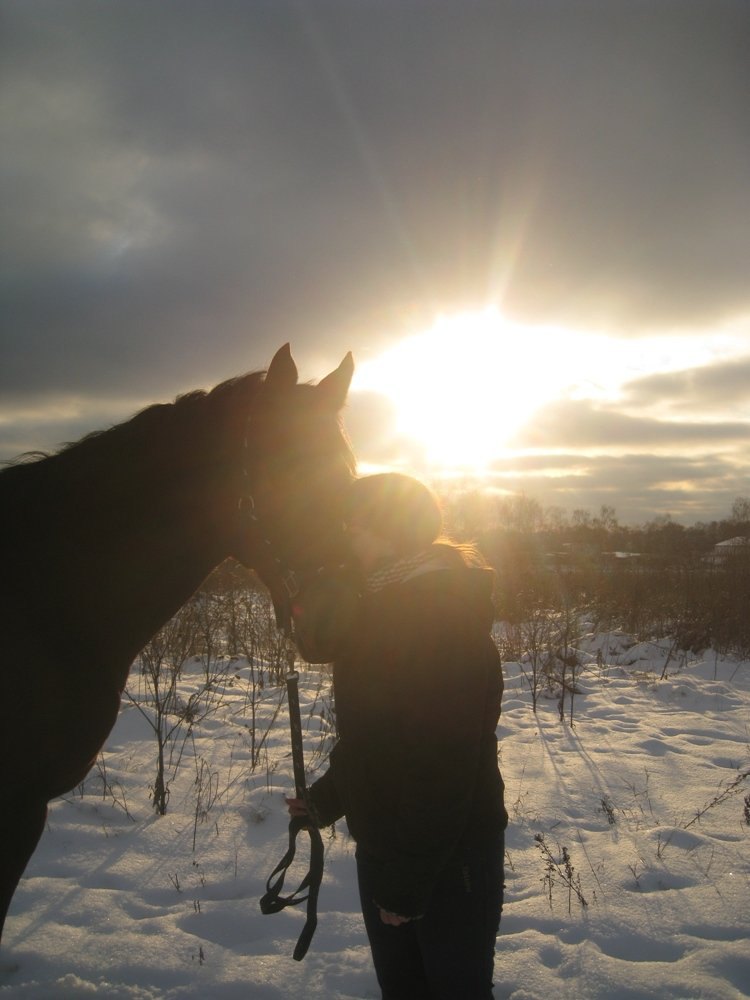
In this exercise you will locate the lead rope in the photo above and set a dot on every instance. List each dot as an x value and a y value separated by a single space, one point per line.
272 901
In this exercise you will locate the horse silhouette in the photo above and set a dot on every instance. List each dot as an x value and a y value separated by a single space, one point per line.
104 541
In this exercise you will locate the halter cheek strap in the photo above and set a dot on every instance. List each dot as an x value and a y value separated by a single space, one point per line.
282 581
279 578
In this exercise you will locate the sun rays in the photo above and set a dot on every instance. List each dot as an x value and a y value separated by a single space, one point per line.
466 393
461 389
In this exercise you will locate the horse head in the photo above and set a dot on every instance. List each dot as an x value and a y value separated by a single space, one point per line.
296 465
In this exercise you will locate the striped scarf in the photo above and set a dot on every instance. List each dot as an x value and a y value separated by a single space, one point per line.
399 571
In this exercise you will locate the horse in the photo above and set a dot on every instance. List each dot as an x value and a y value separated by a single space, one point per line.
106 539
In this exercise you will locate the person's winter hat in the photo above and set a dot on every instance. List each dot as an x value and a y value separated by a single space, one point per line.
396 507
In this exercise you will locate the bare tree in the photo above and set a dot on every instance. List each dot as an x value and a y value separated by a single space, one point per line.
157 698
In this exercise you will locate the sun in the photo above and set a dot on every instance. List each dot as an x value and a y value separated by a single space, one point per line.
462 388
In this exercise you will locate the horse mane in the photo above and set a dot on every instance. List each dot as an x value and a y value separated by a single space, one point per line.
177 425
181 446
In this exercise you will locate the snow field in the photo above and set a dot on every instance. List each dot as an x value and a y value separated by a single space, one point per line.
644 794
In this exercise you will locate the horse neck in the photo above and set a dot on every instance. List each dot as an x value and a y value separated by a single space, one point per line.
163 562
122 541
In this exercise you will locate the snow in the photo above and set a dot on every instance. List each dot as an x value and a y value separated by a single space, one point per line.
644 793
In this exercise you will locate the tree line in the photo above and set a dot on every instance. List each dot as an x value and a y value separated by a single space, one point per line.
657 579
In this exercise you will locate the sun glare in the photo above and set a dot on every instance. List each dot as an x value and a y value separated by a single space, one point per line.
462 388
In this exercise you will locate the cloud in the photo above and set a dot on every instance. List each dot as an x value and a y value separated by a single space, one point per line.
324 168
722 386
638 485
585 455
45 424
586 425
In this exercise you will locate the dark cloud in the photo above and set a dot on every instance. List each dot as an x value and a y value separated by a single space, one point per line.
184 188
322 167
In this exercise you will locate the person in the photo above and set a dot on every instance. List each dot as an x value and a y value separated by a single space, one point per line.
417 688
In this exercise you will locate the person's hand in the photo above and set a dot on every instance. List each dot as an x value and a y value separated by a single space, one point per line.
296 807
394 919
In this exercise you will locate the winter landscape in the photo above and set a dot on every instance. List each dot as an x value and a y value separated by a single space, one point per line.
628 852
526 223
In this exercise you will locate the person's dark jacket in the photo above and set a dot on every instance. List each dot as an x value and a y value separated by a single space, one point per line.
417 687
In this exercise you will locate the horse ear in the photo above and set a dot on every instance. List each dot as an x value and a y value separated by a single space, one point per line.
282 372
335 386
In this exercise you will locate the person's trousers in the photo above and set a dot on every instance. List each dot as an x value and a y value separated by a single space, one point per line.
448 953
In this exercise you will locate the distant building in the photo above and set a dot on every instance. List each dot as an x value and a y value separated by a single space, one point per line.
577 555
622 555
730 548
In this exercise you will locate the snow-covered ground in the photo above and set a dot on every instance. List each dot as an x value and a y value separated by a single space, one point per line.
644 795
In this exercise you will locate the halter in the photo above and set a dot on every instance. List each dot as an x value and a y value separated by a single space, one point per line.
288 578
283 595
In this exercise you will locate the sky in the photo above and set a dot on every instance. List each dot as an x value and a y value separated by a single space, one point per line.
549 196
